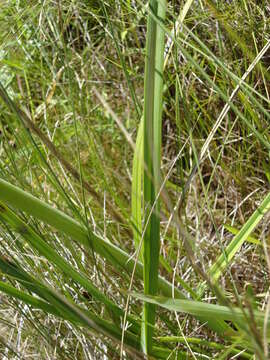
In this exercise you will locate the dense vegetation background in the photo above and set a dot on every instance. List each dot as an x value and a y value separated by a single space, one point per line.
72 87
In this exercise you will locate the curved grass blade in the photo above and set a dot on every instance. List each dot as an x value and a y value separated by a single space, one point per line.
227 256
30 125
60 307
24 201
6 215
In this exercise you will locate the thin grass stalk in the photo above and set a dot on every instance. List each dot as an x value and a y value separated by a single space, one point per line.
152 157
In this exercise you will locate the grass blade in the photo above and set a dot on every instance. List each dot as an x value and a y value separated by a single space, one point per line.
226 257
153 87
6 215
199 308
251 239
23 201
29 124
64 309
136 191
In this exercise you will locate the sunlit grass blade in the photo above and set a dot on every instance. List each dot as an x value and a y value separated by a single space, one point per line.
251 239
198 308
153 87
136 191
227 255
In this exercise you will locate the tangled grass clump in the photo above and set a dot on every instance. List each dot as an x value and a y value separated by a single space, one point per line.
134 180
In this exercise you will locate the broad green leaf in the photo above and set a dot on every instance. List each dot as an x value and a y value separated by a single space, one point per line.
153 88
198 308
